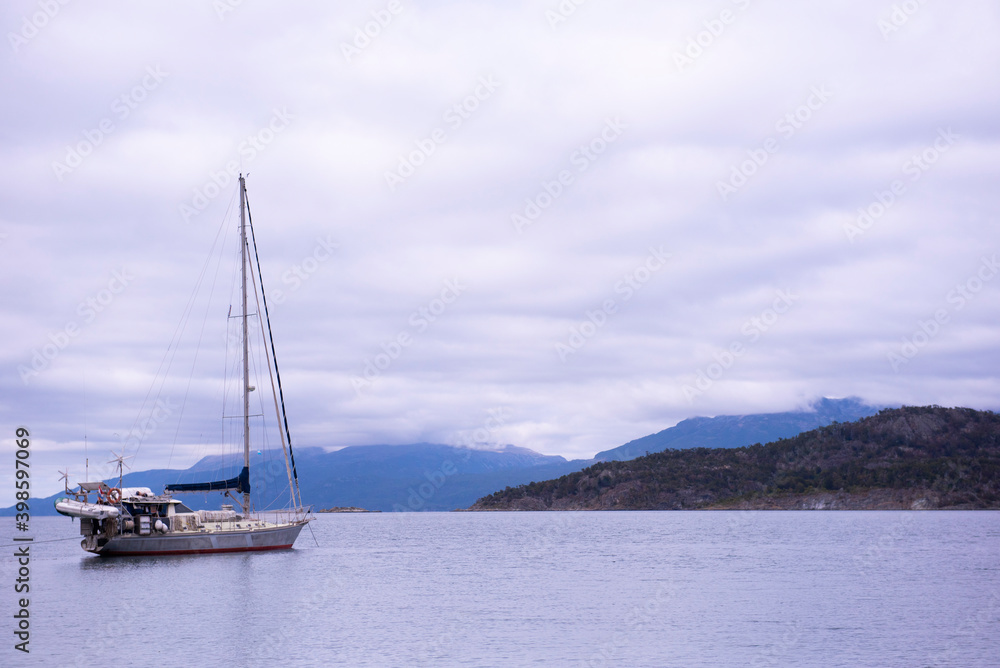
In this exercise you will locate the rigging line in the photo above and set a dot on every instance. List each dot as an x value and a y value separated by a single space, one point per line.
171 350
234 368
291 486
260 394
277 373
36 542
313 534
225 377
201 335
86 454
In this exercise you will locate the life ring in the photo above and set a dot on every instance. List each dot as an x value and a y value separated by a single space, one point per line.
114 495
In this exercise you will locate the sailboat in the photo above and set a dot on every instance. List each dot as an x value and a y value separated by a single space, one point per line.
138 522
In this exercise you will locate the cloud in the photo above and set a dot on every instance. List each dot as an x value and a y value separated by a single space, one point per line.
352 120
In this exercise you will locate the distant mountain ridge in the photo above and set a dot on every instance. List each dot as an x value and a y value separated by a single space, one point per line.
421 476
428 476
733 431
901 458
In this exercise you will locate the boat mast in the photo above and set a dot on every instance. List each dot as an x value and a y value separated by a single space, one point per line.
246 364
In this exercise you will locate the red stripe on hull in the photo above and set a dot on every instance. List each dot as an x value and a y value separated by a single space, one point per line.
160 553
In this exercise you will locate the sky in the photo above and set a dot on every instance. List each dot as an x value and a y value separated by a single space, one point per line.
559 225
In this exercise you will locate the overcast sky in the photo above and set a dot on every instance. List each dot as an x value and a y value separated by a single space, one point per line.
563 226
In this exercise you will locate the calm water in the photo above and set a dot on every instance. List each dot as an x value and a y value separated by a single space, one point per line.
517 589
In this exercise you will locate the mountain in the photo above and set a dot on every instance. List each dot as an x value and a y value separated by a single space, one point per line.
910 457
422 476
733 431
426 476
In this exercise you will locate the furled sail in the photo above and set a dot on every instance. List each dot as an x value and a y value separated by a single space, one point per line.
240 483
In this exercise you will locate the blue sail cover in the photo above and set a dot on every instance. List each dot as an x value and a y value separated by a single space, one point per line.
240 483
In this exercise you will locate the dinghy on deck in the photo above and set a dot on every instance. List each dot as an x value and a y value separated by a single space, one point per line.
92 511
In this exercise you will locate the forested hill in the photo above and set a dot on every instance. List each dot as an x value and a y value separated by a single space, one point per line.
910 457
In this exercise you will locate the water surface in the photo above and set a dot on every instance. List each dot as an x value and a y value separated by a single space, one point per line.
563 589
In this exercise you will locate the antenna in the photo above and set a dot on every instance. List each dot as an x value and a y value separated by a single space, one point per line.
120 460
246 364
86 454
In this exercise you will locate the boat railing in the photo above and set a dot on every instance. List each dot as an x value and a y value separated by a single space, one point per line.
285 515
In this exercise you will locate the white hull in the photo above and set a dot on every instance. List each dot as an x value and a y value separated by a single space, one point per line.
271 538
